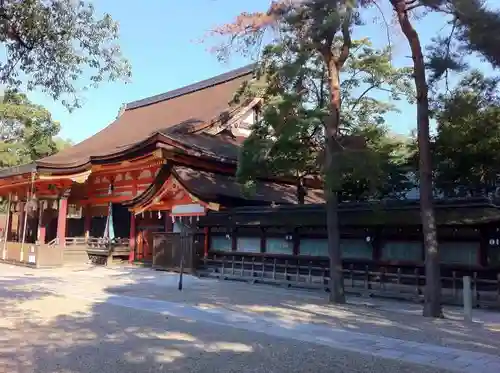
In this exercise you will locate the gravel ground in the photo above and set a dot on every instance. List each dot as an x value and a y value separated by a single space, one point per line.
44 333
40 310
294 306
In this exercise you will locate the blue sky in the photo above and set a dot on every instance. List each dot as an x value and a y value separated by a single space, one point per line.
161 40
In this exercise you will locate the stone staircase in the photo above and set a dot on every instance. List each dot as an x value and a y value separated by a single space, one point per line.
75 255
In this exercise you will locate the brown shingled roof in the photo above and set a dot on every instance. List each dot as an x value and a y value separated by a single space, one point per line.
210 187
224 189
200 102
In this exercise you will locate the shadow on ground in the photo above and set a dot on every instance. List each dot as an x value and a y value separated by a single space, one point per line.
293 306
43 332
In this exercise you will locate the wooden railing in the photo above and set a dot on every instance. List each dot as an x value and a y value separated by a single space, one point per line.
367 279
53 242
102 250
75 241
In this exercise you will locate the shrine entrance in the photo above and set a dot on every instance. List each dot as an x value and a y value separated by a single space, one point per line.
147 224
144 245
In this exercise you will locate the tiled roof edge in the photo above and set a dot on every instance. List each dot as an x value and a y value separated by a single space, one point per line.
219 79
18 170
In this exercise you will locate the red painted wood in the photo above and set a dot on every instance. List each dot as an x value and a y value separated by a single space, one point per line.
42 229
131 256
106 199
61 220
41 234
122 184
135 176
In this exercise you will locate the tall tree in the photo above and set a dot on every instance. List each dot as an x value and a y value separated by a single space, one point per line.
471 24
432 305
288 140
54 45
323 28
467 142
26 130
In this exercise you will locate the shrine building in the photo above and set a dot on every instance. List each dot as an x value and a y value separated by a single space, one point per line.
165 161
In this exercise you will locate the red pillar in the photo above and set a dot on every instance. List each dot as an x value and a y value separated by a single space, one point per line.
61 220
42 229
87 223
131 256
8 233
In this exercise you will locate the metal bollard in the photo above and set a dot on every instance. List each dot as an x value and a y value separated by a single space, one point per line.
467 296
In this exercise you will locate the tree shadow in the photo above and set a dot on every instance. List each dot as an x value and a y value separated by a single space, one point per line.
291 307
83 336
43 331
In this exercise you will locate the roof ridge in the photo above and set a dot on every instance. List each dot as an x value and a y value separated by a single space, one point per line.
203 84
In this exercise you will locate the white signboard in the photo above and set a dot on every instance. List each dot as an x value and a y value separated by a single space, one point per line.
192 209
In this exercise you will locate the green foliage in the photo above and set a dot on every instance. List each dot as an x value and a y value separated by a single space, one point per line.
289 138
26 130
378 171
473 27
62 144
52 45
466 149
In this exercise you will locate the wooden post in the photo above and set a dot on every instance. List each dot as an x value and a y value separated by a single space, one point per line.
87 223
25 225
207 242
467 297
30 195
8 224
61 220
131 255
20 221
296 242
42 229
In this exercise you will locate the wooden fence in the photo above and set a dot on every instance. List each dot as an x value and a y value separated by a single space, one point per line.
103 251
370 280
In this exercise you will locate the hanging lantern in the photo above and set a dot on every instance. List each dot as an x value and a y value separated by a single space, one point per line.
159 214
31 205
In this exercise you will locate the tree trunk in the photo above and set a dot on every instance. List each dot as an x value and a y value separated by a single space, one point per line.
432 305
331 187
301 191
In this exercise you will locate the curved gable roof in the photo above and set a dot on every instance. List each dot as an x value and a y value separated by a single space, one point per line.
205 101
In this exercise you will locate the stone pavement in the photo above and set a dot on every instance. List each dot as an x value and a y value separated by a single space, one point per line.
131 288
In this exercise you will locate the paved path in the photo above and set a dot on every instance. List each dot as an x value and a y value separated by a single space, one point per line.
96 290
